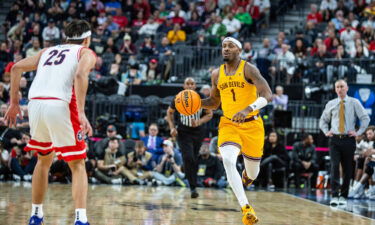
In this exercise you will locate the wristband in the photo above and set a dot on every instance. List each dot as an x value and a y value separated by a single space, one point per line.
259 103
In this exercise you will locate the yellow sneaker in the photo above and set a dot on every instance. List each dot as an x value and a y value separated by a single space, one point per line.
245 179
249 217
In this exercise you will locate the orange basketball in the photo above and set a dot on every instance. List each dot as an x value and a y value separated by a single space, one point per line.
187 102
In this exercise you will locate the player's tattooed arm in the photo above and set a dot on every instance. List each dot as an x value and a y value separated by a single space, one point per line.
252 74
213 102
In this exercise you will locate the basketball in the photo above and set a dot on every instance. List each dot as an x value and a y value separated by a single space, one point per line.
188 102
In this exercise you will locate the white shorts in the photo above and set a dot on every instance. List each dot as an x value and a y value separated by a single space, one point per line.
54 126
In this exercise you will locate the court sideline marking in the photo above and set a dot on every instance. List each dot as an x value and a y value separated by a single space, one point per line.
331 208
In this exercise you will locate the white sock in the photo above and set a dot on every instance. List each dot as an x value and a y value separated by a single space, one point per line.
81 215
230 154
252 168
37 210
355 182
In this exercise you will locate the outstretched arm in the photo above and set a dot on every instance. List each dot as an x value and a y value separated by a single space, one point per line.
213 102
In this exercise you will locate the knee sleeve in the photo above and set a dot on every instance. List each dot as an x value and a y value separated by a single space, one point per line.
252 168
229 154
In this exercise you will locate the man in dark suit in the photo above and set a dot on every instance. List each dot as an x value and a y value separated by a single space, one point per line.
154 143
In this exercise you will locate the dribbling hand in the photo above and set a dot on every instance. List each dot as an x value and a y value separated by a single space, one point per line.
85 125
241 115
11 115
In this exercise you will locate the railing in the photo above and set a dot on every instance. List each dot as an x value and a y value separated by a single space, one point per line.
311 71
305 116
195 61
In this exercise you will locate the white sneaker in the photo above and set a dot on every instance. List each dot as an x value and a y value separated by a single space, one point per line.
116 181
351 192
342 201
334 201
27 177
16 177
360 192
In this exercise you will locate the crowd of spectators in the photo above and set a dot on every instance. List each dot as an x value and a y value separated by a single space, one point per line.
134 39
336 42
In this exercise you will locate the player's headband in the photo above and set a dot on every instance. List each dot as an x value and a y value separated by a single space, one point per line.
234 41
83 36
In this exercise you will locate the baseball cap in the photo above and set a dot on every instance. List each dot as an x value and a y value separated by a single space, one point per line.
168 143
127 37
111 128
153 61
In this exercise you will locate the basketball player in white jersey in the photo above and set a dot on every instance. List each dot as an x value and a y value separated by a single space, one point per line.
58 123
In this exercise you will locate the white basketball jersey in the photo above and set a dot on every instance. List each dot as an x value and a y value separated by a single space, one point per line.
55 74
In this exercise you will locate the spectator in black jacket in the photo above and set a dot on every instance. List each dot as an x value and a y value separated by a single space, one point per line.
101 145
304 159
210 169
274 157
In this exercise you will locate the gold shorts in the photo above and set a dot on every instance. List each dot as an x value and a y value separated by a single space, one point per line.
249 136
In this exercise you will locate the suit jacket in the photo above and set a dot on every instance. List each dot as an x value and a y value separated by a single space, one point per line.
159 145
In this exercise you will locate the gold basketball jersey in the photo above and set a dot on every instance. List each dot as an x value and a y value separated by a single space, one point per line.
235 91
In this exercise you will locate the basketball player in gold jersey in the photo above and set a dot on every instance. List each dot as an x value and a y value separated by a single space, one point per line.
242 91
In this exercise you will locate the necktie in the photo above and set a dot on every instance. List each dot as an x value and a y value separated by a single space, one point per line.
152 145
342 117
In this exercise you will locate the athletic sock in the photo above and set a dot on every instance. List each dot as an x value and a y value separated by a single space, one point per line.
81 215
37 210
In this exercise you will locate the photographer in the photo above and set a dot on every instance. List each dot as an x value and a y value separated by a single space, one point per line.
22 163
210 169
110 163
139 165
168 169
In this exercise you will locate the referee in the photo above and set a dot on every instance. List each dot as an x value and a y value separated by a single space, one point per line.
341 114
189 132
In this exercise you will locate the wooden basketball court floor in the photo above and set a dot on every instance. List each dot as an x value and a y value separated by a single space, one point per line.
136 205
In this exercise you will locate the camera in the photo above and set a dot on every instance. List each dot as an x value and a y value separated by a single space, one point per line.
170 156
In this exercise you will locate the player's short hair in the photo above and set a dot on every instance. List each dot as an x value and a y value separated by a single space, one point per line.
76 28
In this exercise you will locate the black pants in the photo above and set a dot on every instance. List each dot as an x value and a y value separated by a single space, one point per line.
190 144
341 151
266 171
298 169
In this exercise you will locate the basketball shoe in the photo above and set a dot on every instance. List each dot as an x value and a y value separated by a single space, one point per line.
248 215
80 223
246 180
34 220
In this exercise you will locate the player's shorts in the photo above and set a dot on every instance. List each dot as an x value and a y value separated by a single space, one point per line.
248 136
54 126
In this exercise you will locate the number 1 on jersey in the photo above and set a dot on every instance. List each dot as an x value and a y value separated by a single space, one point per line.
233 95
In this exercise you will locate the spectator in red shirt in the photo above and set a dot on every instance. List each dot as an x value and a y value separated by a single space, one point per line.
139 21
329 39
142 6
314 15
120 19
